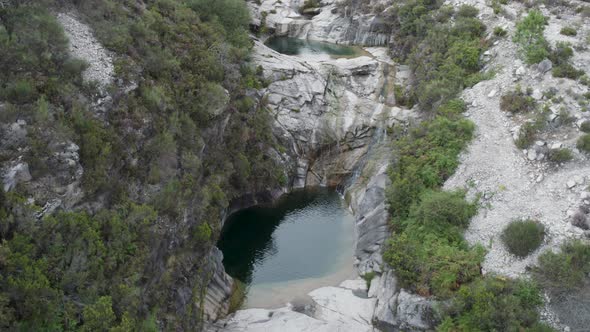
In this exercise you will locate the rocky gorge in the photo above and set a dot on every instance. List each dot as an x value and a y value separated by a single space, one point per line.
334 115
333 121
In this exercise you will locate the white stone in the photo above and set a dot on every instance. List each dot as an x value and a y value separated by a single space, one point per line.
520 71
537 94
556 145
356 284
335 304
492 93
570 184
531 154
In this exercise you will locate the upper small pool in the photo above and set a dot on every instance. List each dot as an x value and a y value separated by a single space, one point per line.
286 250
296 46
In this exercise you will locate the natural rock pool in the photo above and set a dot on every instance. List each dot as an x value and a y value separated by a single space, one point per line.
283 251
304 47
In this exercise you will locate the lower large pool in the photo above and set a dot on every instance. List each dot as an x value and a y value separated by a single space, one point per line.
283 251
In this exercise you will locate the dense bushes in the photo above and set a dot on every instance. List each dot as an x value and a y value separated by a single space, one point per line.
495 304
152 145
565 270
443 54
428 251
523 237
529 35
56 267
425 159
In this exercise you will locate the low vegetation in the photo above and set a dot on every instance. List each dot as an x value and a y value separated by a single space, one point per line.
517 101
528 132
565 270
500 32
442 47
495 304
560 155
583 143
522 237
529 35
428 251
568 31
560 57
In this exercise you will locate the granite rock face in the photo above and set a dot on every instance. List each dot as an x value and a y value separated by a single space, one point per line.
332 22
329 112
219 288
348 307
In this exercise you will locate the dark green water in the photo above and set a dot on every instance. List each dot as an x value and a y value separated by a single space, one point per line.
296 46
302 242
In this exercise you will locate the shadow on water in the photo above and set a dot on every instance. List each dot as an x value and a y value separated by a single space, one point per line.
307 235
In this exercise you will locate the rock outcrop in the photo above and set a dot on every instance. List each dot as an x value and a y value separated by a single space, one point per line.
333 22
219 288
327 111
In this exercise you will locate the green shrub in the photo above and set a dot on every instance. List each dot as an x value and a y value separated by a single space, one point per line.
523 237
566 70
529 35
495 304
443 56
585 127
583 143
21 92
426 158
568 31
566 269
99 316
561 53
428 251
517 102
429 264
441 210
500 32
467 11
560 155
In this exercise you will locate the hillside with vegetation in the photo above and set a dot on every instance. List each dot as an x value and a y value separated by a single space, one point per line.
142 176
457 132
